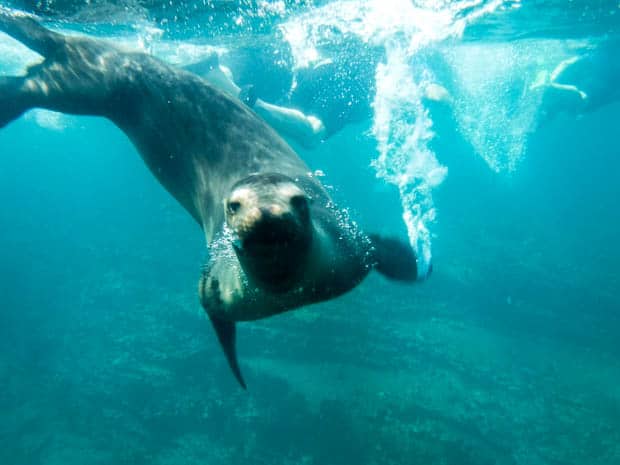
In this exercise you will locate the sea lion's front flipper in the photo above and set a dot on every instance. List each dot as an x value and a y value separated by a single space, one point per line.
226 333
396 259
29 32
13 99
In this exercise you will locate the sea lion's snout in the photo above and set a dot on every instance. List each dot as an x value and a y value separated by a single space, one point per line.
267 215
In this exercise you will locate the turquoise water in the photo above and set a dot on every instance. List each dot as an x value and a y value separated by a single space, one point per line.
508 354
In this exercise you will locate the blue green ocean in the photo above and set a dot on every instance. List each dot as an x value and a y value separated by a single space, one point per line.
483 132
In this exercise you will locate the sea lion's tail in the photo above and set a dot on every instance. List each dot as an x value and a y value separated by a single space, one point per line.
395 259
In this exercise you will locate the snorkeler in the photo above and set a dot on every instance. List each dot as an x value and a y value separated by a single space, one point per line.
320 99
307 130
582 83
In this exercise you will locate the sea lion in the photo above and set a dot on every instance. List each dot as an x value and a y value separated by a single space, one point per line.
275 238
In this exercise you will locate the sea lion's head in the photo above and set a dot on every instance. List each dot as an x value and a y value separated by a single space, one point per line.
269 216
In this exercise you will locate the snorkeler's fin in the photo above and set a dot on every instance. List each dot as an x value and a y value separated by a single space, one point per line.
226 334
395 259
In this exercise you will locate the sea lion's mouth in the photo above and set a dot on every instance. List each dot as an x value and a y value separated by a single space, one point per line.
266 236
273 264
273 251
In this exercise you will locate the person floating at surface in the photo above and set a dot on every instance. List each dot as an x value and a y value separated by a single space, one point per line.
582 83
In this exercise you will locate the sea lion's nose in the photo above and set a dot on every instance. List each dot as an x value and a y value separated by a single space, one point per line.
272 211
271 216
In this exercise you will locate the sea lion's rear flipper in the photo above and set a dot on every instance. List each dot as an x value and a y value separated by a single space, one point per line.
78 75
20 93
226 333
395 259
29 32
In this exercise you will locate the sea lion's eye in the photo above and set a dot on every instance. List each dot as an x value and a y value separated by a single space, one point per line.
233 207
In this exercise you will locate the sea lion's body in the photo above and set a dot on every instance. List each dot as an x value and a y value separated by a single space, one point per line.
199 143
322 260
